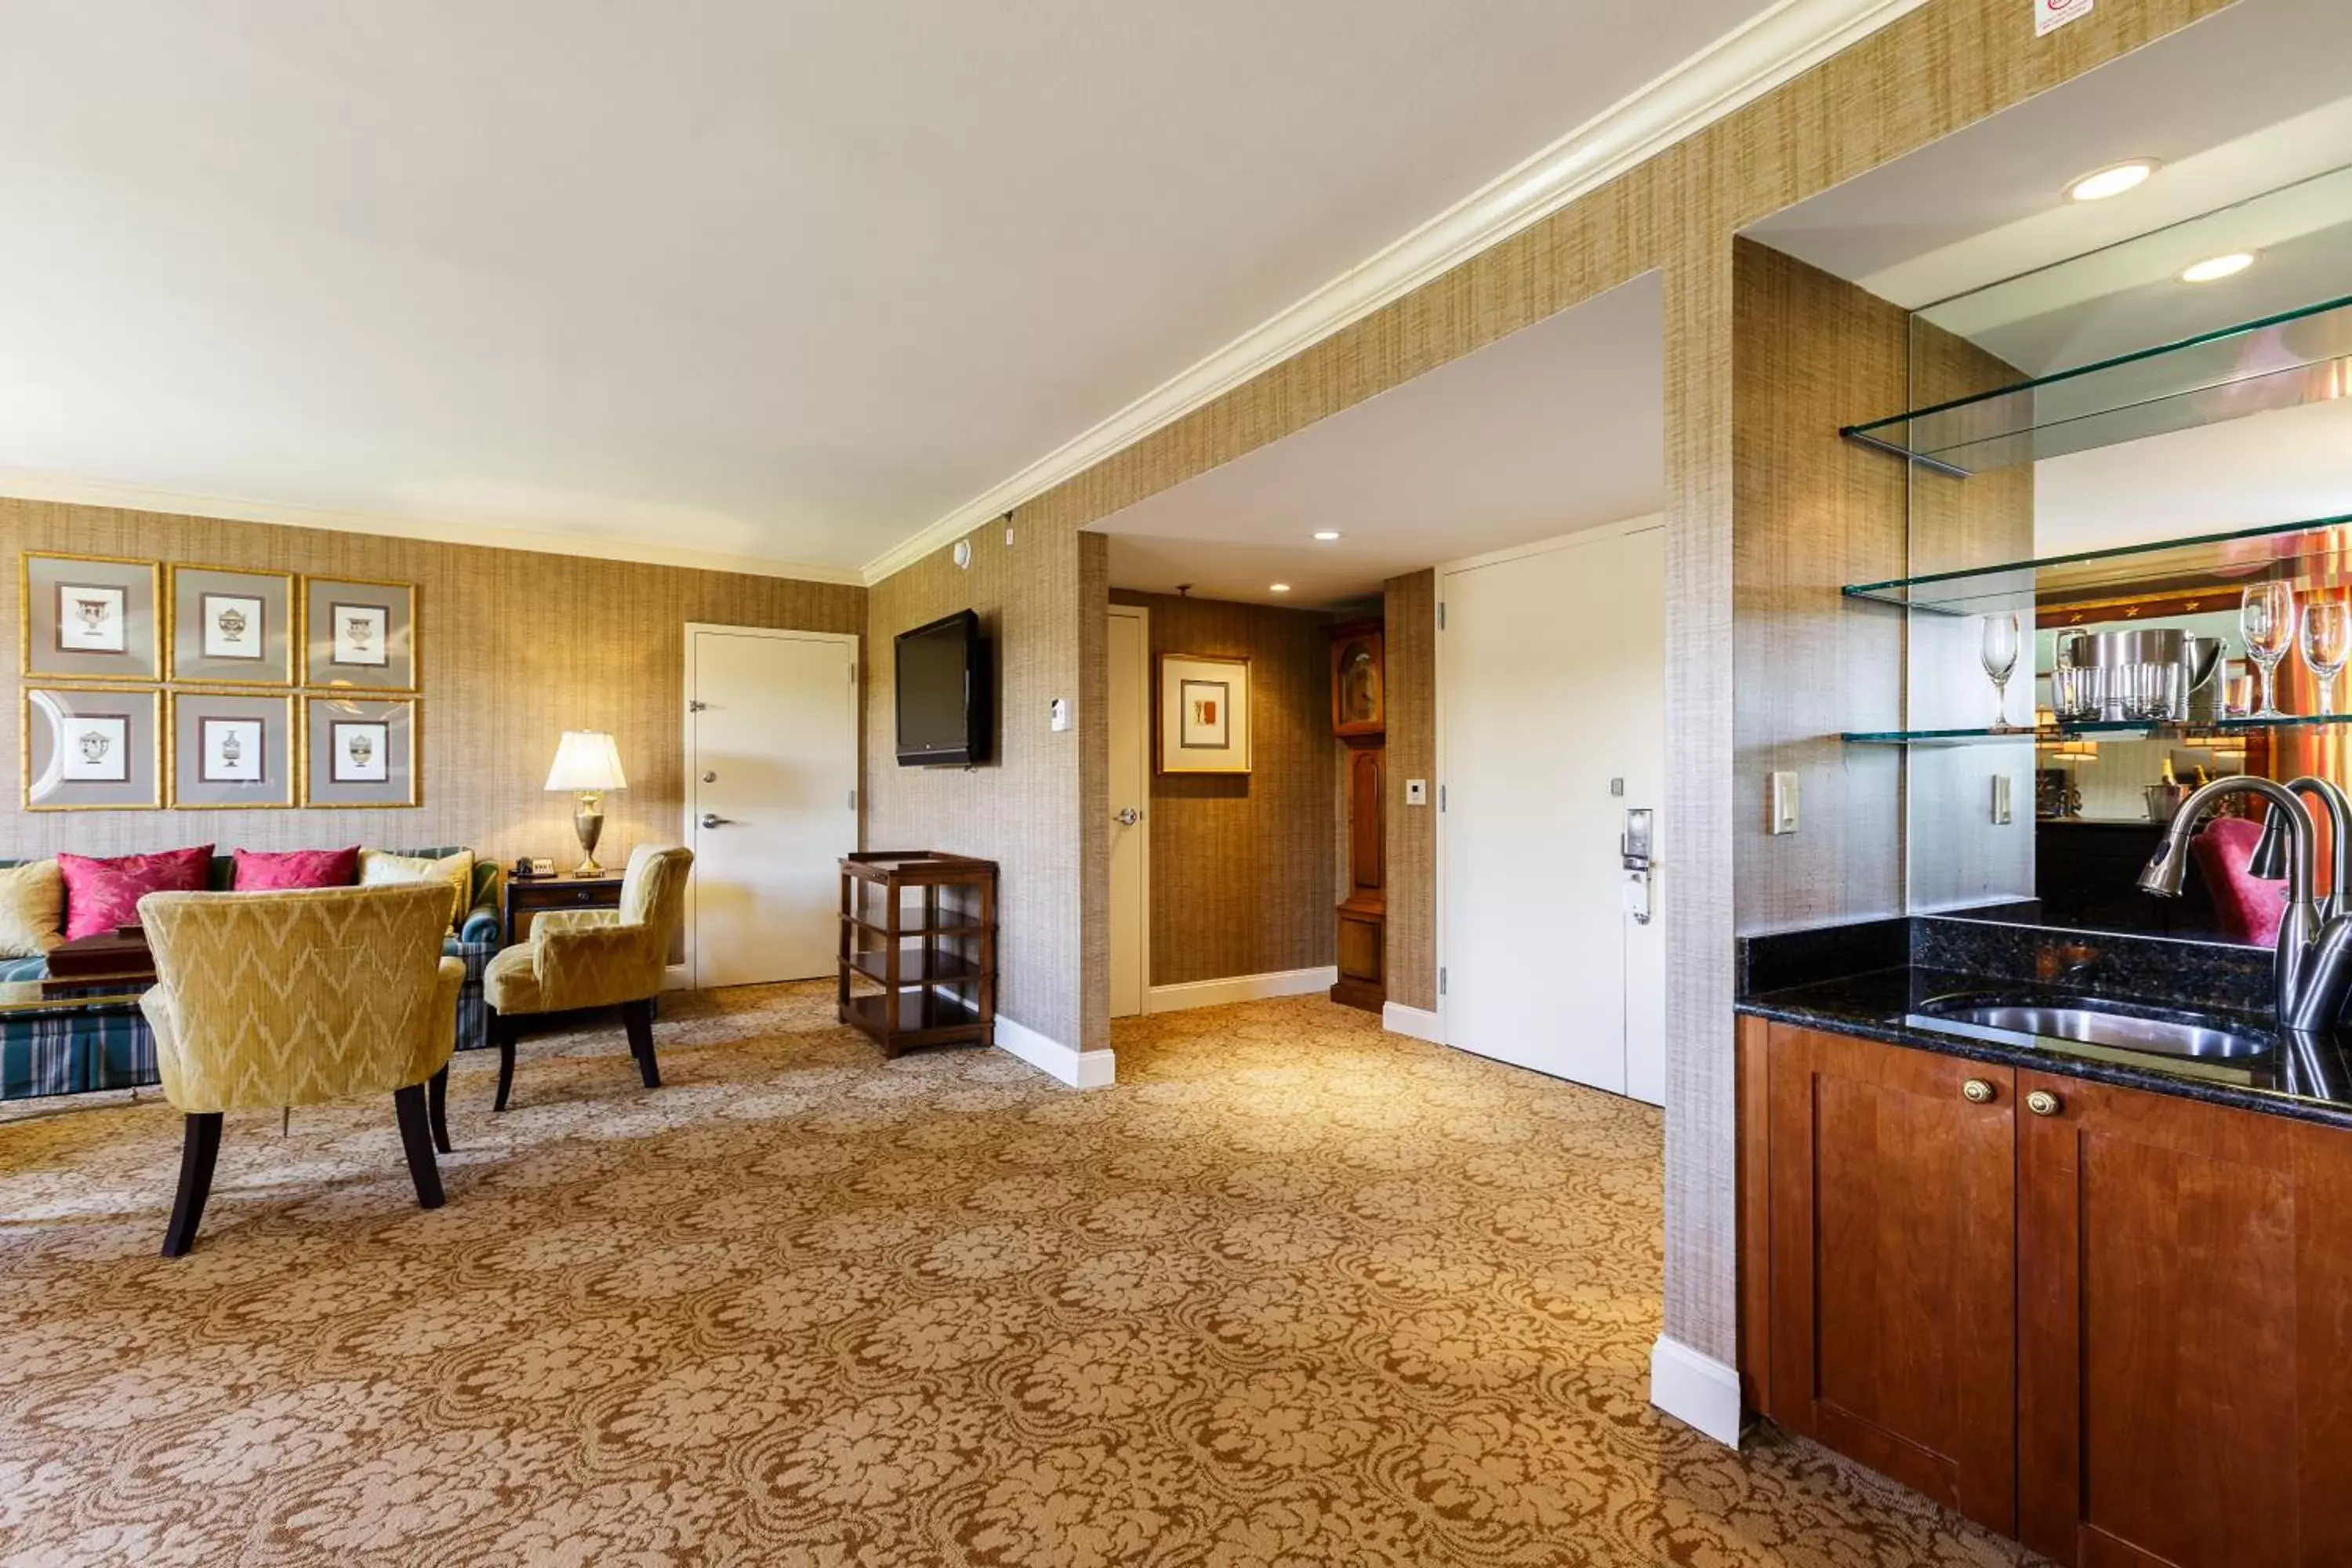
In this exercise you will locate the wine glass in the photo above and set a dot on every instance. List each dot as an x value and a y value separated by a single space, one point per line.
1999 652
2327 643
2266 620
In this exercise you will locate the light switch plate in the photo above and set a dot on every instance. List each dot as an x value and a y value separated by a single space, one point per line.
1781 803
1416 791
1061 713
2001 816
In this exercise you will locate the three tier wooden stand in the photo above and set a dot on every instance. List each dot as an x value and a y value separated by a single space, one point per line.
934 957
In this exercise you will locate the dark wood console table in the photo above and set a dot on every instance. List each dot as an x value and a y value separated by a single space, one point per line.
939 989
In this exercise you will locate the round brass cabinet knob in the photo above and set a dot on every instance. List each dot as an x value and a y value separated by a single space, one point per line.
2041 1102
1976 1092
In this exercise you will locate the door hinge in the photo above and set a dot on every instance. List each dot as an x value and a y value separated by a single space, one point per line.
1441 797
853 800
1440 615
1441 980
852 675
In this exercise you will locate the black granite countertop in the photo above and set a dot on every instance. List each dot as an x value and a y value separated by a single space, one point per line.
2304 1077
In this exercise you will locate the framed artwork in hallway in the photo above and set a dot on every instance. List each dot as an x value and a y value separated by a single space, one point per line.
1204 714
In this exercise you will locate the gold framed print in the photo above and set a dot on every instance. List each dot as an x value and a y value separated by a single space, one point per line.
360 751
87 618
229 628
1204 714
92 749
231 749
358 634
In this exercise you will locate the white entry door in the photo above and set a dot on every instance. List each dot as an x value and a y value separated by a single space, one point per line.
771 800
1551 682
1130 802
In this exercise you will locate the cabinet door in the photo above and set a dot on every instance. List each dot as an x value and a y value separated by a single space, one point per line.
2186 1332
1894 1249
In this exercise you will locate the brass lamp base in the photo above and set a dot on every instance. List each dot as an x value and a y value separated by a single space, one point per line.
588 822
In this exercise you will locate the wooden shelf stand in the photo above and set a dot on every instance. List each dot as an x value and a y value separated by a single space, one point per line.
933 957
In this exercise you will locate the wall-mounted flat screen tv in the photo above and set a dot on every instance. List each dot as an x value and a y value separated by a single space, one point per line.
942 680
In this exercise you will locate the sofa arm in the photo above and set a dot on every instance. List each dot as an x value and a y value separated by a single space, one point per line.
483 925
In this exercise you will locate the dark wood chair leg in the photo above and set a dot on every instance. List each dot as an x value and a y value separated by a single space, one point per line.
502 1030
199 1148
640 1019
416 1138
436 1105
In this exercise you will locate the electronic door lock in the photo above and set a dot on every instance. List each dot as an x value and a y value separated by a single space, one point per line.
1633 843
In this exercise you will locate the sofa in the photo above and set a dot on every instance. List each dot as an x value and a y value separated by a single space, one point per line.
87 1049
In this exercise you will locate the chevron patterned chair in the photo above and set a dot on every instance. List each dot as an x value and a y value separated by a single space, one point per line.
595 958
270 1000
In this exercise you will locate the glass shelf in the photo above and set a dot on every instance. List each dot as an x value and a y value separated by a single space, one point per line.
2114 729
2222 562
2278 361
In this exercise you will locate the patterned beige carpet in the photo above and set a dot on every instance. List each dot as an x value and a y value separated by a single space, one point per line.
1294 1292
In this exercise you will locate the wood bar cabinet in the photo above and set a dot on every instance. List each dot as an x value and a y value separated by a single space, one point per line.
920 926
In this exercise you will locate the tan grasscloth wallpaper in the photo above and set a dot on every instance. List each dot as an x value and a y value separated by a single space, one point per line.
1409 647
515 648
1942 67
1242 865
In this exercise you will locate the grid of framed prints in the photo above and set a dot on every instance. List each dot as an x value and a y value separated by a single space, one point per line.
149 686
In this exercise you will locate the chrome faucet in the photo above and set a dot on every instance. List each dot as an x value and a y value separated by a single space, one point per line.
2269 858
2314 968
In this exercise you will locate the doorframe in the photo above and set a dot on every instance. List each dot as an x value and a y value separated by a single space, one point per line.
1142 612
688 976
1621 529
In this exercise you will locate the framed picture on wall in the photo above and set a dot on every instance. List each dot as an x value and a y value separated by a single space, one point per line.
1204 714
231 749
359 634
87 618
231 628
360 751
91 749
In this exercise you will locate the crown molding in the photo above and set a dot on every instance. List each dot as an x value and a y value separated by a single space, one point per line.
39 485
1736 68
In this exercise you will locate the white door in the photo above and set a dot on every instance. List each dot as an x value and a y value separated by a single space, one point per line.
1551 680
1130 802
772 802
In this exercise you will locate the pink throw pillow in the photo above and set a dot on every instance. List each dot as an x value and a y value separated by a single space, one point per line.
103 894
259 871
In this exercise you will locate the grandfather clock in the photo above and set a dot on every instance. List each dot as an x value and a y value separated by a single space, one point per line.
1359 719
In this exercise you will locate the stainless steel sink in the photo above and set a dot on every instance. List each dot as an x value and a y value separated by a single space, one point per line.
2097 1026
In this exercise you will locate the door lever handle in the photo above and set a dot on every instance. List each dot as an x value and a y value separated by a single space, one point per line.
712 819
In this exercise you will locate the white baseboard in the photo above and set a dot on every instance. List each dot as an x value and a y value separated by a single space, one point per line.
1240 988
1399 1019
1080 1070
1695 1389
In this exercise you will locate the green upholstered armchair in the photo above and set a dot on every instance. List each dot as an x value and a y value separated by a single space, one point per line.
594 958
268 1000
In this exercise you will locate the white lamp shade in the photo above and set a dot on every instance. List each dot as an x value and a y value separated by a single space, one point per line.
586 760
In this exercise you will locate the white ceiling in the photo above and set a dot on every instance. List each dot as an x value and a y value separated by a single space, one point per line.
784 282
1560 426
2241 103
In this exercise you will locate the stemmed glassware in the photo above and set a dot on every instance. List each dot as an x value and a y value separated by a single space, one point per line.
2327 643
1999 652
2266 620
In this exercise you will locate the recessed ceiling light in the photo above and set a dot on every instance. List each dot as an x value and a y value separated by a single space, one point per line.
2213 269
1278 587
1326 535
2112 180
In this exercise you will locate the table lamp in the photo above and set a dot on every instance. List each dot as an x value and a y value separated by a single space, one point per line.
587 763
